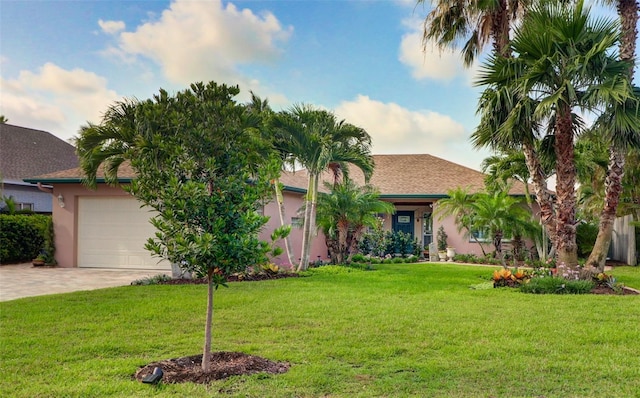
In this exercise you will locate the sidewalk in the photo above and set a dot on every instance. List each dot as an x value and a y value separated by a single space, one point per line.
25 280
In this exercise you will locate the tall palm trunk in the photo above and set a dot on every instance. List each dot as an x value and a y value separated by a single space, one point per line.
206 354
567 251
309 220
613 189
543 195
281 213
628 11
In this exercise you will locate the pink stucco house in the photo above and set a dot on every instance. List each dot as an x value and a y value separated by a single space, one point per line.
106 227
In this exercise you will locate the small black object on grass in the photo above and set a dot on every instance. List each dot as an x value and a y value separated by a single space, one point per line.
155 377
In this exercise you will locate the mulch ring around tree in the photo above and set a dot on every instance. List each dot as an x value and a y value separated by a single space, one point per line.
223 365
624 291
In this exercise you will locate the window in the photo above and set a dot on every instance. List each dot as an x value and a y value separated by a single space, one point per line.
485 236
24 206
297 222
481 235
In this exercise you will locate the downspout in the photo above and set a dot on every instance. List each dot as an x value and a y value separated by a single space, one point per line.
45 189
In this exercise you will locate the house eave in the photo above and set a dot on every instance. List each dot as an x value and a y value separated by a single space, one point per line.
71 180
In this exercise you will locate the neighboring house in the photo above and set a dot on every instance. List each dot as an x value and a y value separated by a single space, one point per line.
25 153
107 227
623 241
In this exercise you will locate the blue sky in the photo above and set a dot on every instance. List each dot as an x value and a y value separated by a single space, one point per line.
63 62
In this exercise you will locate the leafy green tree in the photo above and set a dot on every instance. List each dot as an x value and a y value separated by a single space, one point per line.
3 119
562 60
201 165
345 213
316 139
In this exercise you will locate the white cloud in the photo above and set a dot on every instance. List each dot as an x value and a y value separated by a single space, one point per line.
205 40
111 27
55 99
429 62
395 129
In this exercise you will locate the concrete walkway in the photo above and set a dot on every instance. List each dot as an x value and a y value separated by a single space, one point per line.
25 280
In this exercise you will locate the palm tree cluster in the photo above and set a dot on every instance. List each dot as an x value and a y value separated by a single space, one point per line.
496 213
344 215
557 62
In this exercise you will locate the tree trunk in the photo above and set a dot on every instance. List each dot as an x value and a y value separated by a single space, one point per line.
332 247
543 195
206 354
628 11
613 190
500 29
355 238
309 220
497 243
287 239
306 227
566 248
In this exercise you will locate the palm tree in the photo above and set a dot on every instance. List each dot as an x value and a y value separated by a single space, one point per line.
562 61
628 13
345 213
263 110
108 143
459 204
501 215
512 165
477 24
316 139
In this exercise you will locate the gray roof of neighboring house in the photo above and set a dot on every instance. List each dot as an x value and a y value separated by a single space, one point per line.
409 176
26 152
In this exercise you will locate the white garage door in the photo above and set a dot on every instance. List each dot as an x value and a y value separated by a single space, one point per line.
112 232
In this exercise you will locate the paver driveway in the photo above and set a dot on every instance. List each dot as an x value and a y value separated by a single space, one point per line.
24 280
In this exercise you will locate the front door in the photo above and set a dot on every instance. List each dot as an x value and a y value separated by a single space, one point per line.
403 221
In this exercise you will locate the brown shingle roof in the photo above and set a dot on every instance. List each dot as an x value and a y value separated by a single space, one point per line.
419 175
26 152
425 175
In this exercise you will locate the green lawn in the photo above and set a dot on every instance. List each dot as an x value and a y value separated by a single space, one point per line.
401 330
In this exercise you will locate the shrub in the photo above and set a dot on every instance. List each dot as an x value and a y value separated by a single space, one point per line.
442 239
22 237
359 258
609 281
586 234
151 280
505 277
553 285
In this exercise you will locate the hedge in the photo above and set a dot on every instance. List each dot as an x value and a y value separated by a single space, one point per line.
23 237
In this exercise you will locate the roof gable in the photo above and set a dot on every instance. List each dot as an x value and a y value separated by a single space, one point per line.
26 152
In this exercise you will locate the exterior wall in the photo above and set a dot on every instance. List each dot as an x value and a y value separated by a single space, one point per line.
293 202
465 245
29 194
66 223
